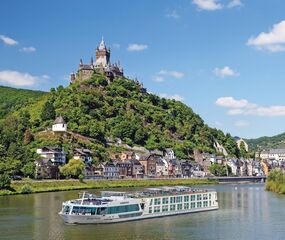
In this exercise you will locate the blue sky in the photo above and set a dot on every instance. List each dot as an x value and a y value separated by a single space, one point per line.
225 59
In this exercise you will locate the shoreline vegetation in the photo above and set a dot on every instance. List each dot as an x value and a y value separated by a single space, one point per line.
276 182
27 186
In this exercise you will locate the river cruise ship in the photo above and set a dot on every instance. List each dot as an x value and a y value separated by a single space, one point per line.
113 207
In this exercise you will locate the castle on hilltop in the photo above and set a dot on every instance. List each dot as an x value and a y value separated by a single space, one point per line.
102 64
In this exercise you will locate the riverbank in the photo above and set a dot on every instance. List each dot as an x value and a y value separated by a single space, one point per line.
32 186
276 182
275 187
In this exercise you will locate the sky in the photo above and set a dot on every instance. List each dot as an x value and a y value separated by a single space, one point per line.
223 58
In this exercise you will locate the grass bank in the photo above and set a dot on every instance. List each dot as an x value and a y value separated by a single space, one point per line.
31 186
275 187
276 182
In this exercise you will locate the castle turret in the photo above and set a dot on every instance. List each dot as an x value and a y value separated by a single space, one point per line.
72 77
102 55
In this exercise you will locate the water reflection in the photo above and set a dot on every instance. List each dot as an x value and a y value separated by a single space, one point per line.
246 212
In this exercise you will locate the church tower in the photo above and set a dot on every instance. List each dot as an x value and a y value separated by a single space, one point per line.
102 55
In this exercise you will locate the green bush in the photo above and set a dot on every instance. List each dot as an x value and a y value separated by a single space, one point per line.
26 189
276 181
5 181
81 178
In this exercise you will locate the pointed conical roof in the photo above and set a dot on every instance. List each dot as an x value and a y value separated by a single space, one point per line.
59 120
102 45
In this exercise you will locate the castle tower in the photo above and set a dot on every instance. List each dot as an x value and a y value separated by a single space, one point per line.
102 55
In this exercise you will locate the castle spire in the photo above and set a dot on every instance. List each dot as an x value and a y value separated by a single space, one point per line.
102 45
91 62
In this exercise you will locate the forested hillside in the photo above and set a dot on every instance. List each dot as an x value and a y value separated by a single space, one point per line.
261 143
101 111
12 98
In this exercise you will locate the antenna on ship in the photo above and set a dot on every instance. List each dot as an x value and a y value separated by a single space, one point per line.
82 199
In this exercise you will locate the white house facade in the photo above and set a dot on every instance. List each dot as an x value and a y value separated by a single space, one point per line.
59 125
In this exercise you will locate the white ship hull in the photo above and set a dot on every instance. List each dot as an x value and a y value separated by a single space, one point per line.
122 209
84 219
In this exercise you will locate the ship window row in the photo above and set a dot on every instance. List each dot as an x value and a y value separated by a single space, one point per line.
123 209
178 199
84 210
105 210
180 206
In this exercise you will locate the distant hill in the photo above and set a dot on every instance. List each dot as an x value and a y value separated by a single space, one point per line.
12 98
262 143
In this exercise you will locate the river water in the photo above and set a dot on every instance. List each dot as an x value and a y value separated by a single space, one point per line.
246 212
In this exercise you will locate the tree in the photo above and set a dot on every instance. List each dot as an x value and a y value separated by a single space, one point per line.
242 150
28 137
3 151
218 170
73 168
48 111
5 181
28 169
10 166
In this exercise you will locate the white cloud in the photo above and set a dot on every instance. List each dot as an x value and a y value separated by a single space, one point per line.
46 77
19 79
28 49
172 14
225 72
241 123
163 74
8 40
175 96
272 41
235 111
158 78
208 5
116 45
234 3
244 107
134 47
230 102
